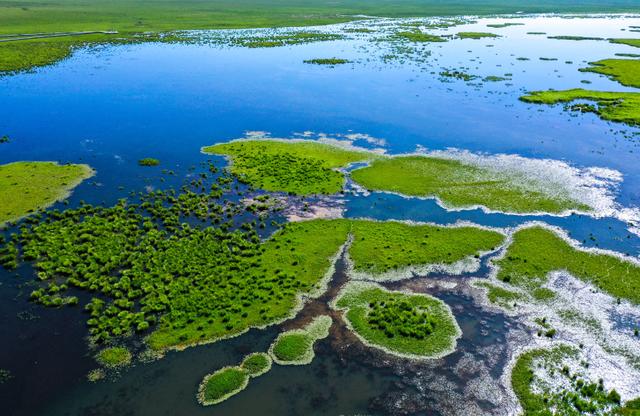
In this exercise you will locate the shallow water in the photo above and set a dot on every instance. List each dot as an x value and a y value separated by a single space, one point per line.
111 106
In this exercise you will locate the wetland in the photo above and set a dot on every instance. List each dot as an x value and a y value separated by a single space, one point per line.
382 215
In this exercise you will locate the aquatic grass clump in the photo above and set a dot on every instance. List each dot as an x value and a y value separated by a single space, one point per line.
404 324
26 187
419 36
577 38
277 40
499 295
458 75
327 61
625 71
384 249
476 35
221 385
295 347
257 364
300 167
536 251
148 161
114 357
503 25
620 107
459 184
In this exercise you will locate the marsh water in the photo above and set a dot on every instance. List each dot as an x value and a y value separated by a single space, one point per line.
111 106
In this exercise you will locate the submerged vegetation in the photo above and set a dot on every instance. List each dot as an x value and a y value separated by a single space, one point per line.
297 167
537 251
148 161
26 187
411 325
295 347
621 107
460 185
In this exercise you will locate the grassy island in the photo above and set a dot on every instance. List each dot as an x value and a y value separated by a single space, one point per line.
578 396
536 251
306 167
476 35
294 38
621 107
418 36
460 185
407 325
571 37
327 61
256 364
148 161
503 25
295 347
299 167
625 71
26 187
114 357
629 42
386 247
224 383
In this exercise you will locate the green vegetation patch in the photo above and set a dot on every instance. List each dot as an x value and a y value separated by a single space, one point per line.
295 347
476 35
625 71
114 357
256 364
463 76
295 38
579 396
147 269
495 78
460 185
383 247
620 107
298 167
630 42
224 383
500 296
148 161
419 36
327 61
537 251
407 325
503 25
577 38
26 187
